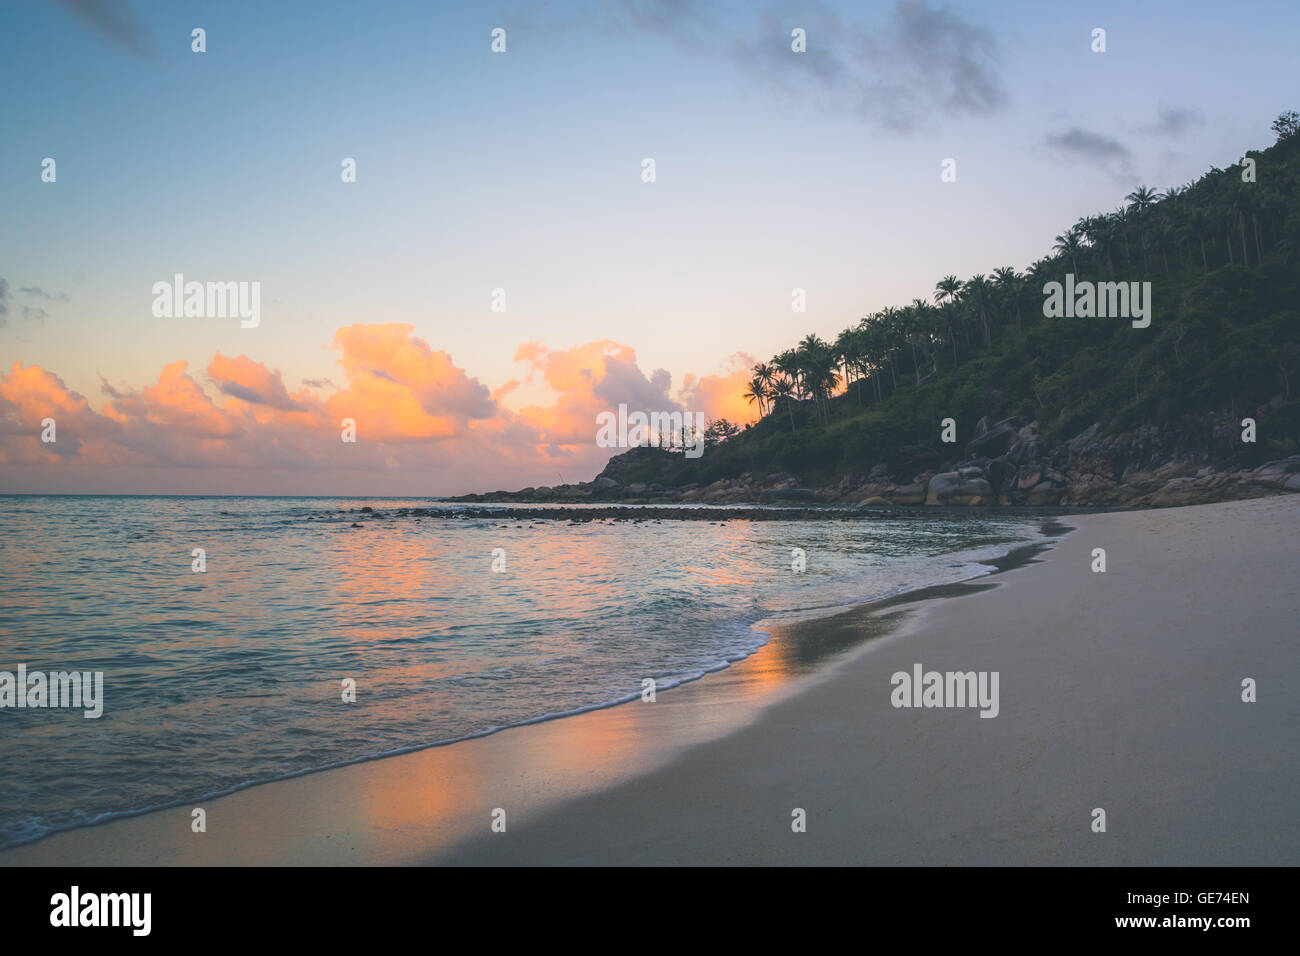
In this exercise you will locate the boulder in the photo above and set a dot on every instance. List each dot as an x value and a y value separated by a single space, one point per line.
908 495
1027 449
1044 493
1080 441
1276 474
1179 491
1027 477
605 484
1000 473
950 488
994 441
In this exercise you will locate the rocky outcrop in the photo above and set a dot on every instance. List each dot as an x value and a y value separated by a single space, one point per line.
1008 462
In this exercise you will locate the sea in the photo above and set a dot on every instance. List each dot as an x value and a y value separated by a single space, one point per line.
247 639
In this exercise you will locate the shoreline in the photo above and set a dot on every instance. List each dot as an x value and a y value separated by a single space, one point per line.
800 647
708 773
1121 692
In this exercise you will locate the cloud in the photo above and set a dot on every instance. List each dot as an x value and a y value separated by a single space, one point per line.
34 315
423 425
28 396
251 382
683 21
917 63
1174 121
4 302
114 20
37 292
1097 149
722 396
921 61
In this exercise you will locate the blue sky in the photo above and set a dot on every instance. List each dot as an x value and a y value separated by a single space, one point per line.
775 170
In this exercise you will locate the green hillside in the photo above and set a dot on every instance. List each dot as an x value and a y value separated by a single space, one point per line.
1222 255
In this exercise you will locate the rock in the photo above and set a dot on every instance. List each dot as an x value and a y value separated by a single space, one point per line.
908 495
1179 491
1027 449
1044 493
993 442
605 484
788 494
636 488
950 488
873 501
1094 490
367 510
1000 473
1026 478
878 473
1276 474
1077 443
970 472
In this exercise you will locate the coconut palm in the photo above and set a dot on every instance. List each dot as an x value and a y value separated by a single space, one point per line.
1141 199
1009 283
1067 244
947 289
977 294
784 388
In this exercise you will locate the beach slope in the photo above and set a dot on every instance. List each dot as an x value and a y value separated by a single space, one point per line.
1120 691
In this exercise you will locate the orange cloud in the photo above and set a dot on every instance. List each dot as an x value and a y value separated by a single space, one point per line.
424 425
722 396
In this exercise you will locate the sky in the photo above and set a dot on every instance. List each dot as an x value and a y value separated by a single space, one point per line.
523 171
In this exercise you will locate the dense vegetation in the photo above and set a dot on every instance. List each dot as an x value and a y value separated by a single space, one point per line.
1222 255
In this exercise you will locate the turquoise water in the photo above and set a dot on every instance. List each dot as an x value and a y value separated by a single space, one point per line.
233 676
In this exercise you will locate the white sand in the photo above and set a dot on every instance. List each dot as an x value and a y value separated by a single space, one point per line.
1119 690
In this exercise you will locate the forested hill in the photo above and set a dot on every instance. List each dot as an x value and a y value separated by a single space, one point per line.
1069 410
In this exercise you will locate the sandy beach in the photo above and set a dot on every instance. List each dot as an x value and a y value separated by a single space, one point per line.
1119 690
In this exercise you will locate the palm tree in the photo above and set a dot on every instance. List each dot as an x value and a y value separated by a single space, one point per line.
846 350
755 391
787 363
947 289
1197 224
976 294
784 388
946 293
1141 199
1009 284
1067 244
